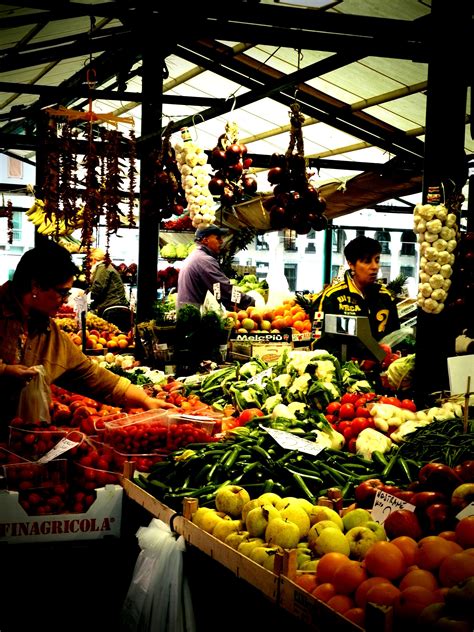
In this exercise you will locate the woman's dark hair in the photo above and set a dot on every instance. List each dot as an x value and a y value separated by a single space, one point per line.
48 264
362 247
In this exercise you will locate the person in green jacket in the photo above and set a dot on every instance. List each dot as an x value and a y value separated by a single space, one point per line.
107 288
360 294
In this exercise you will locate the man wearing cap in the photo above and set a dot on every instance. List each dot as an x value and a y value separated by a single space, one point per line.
200 272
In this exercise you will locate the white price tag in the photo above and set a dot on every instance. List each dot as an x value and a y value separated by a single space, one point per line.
62 446
236 294
216 290
467 511
290 442
258 379
385 503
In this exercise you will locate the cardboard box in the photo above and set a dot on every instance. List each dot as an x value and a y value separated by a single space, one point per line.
103 518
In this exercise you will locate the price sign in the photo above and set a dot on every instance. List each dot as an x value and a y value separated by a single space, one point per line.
467 511
385 503
290 442
216 289
236 295
62 446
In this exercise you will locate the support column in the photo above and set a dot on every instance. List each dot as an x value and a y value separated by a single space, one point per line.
444 167
152 109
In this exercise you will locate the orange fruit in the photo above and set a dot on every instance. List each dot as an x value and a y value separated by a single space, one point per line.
465 532
383 594
306 580
385 559
324 592
349 576
419 577
407 546
363 588
341 603
356 615
456 568
432 550
412 601
328 565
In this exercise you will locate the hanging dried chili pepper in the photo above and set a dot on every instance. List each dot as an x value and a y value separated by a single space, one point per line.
132 172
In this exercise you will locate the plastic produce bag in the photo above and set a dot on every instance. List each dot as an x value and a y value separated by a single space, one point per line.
158 599
35 398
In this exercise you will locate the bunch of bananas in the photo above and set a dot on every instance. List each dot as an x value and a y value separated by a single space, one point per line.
52 226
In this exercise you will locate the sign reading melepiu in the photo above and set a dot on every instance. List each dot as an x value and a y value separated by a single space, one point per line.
284 335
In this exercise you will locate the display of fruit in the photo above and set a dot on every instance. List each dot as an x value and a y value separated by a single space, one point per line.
51 225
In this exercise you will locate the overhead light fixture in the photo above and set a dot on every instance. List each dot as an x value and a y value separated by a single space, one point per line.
308 4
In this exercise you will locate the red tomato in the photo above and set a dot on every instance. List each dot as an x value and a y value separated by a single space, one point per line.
360 401
362 411
350 398
347 411
342 425
351 446
248 414
349 432
331 418
358 424
409 404
394 401
333 408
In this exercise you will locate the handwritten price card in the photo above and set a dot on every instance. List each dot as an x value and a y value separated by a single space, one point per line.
385 503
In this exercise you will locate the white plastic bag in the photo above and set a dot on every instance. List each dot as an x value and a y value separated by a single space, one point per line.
158 599
35 398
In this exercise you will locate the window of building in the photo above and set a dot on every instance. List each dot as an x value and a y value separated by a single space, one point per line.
408 241
291 270
17 217
289 240
408 271
261 243
339 238
310 247
262 270
383 237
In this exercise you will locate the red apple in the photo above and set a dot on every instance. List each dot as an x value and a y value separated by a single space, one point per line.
402 522
438 517
365 492
438 476
462 496
423 499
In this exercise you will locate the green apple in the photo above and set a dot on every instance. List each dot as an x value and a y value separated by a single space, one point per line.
198 515
377 528
258 519
282 532
248 545
260 555
230 499
307 506
295 513
320 512
269 498
303 555
235 538
285 501
310 565
360 539
269 561
255 502
222 529
356 518
331 540
209 520
324 524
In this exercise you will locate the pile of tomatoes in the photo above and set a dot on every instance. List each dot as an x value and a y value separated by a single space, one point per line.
351 414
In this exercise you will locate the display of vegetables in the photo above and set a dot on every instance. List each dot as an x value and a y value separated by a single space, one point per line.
192 163
437 231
